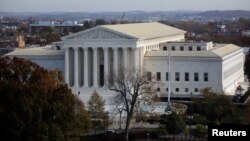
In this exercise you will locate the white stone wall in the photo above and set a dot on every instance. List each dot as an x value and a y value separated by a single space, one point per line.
212 66
48 62
233 66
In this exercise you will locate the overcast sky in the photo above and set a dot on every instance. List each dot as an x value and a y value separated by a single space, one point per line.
120 5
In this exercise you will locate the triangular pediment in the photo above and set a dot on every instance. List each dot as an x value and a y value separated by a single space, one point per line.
98 33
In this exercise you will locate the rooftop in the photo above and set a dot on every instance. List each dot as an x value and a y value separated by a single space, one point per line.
141 31
145 30
225 49
220 50
180 54
37 51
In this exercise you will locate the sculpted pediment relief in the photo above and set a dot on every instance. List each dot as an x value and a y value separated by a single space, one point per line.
98 33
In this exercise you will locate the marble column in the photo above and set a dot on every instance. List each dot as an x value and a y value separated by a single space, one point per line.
135 57
76 65
115 60
86 66
106 64
67 65
125 59
96 67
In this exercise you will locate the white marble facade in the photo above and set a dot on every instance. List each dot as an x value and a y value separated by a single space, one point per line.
92 55
86 58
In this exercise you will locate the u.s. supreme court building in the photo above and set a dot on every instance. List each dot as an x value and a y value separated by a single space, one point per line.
87 57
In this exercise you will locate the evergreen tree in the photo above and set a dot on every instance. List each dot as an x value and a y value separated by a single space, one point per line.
174 124
217 106
97 112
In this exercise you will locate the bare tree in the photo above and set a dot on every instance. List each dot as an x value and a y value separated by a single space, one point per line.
133 90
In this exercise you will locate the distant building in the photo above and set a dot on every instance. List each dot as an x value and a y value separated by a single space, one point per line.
190 34
21 41
246 33
67 26
219 30
87 57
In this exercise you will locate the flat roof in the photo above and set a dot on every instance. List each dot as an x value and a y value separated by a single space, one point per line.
220 50
145 30
225 49
37 51
181 54
139 31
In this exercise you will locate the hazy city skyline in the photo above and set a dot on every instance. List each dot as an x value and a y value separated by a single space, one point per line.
120 5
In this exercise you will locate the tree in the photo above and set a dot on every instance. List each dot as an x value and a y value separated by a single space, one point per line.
132 91
50 35
247 65
97 112
217 104
200 131
35 104
100 22
238 94
88 24
247 114
174 124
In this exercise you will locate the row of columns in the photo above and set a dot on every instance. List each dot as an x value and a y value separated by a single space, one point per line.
83 65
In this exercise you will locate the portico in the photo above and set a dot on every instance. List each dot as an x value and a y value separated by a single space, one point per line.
89 67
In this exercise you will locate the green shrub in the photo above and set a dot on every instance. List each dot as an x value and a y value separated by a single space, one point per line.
200 131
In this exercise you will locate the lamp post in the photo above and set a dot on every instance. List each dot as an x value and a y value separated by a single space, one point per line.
120 112
190 119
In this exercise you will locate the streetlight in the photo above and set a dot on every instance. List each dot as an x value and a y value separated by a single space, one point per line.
190 118
120 112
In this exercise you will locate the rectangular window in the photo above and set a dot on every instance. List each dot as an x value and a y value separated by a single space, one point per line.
190 48
186 76
165 48
195 89
186 89
177 89
198 48
149 76
166 76
158 89
177 76
60 72
196 76
166 89
173 48
158 76
181 48
206 77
